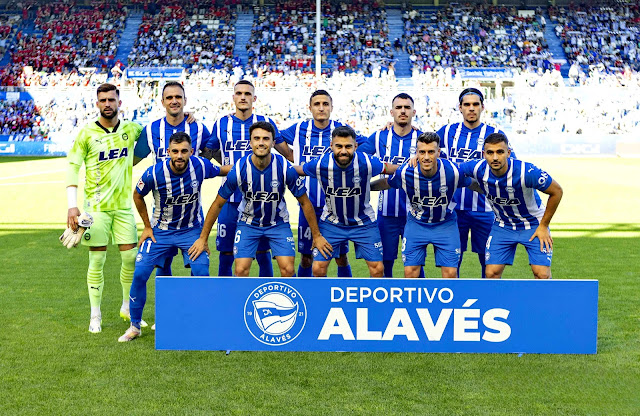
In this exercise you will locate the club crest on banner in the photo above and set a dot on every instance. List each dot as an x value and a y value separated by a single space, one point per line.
275 313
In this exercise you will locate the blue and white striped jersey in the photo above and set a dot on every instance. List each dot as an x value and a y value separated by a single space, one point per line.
263 202
231 136
177 198
513 195
309 142
461 144
430 199
347 190
395 149
155 137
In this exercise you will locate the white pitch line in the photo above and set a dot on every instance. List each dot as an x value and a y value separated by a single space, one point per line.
28 183
33 174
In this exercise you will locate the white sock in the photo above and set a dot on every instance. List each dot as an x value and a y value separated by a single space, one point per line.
95 310
125 304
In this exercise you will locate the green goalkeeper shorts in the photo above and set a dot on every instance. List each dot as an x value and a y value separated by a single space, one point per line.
118 225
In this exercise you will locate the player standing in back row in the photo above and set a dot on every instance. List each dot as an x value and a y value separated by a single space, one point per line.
462 142
230 141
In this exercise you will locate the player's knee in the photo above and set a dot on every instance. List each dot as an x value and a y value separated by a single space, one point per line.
343 260
493 274
319 269
242 271
376 269
449 272
542 274
306 261
287 270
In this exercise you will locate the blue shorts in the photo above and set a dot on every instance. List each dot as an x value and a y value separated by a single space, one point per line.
502 243
227 223
305 241
166 245
391 232
366 239
249 237
444 237
479 223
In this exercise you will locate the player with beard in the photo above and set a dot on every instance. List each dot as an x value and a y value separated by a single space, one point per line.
345 176
176 222
105 146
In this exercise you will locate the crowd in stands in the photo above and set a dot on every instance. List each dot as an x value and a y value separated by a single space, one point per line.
67 38
604 37
21 118
186 34
8 27
475 36
355 37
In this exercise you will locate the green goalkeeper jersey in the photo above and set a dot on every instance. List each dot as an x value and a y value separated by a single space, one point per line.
108 159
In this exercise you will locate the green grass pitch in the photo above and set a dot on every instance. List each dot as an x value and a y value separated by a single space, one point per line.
51 364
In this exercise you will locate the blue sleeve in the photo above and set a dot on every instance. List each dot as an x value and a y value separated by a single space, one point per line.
142 145
145 184
395 180
369 146
377 166
466 168
535 177
309 168
213 143
440 133
206 136
295 183
230 185
464 182
210 170
278 137
289 134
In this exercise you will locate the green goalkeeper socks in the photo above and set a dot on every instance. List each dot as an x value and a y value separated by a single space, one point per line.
95 277
126 273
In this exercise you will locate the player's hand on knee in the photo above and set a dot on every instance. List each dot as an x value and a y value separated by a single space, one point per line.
72 218
199 246
323 246
146 234
544 235
72 236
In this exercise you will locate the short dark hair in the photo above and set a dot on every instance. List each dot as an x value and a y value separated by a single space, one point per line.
343 131
172 84
403 96
264 125
468 91
106 87
320 92
244 82
495 138
429 137
179 137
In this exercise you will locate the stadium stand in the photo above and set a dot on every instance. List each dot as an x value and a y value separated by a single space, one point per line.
185 34
22 120
601 39
475 36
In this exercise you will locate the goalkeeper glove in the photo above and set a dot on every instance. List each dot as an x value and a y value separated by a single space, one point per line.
71 238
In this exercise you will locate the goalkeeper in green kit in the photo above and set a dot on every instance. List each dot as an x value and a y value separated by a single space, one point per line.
105 146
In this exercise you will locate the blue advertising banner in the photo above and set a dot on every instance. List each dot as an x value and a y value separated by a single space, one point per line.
153 72
390 315
485 73
21 148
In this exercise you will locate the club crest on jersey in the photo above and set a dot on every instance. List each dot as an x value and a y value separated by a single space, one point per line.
113 154
125 136
274 184
87 235
509 189
356 180
194 184
480 142
313 151
238 146
275 313
140 185
412 150
343 192
443 189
